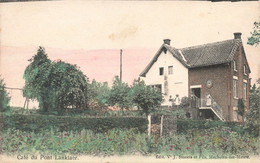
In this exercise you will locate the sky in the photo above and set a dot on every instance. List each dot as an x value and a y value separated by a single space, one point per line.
91 34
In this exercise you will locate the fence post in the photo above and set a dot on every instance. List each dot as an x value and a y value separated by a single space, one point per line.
25 103
161 130
149 124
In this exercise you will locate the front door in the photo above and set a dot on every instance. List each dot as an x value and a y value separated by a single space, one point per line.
196 92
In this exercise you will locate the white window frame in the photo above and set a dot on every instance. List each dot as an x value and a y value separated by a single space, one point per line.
170 70
244 90
235 88
235 65
244 68
195 86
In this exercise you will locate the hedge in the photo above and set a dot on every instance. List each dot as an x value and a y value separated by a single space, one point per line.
36 123
184 125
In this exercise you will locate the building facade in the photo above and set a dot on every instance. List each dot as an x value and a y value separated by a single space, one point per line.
166 73
216 74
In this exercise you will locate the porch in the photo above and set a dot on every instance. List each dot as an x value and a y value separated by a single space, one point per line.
208 103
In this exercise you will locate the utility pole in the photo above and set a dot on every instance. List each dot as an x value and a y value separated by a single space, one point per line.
121 51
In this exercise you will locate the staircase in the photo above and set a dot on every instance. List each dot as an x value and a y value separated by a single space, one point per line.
211 104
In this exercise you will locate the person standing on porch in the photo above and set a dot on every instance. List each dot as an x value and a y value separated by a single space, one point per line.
208 100
177 101
170 102
193 100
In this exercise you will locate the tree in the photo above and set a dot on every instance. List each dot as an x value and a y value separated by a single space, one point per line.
35 78
55 85
241 108
253 116
120 94
145 97
69 85
98 95
254 39
4 98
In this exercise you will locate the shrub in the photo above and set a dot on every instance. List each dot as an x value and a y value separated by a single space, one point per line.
241 108
252 116
66 123
185 101
4 98
184 125
218 142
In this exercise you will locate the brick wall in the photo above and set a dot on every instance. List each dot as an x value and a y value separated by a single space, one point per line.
220 77
240 59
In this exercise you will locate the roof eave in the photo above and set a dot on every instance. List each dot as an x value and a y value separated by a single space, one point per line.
154 59
181 61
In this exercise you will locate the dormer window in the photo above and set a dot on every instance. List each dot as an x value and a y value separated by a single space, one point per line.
244 70
235 65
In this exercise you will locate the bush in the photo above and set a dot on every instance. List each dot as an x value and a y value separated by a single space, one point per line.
211 143
252 116
4 98
39 123
184 125
241 107
185 102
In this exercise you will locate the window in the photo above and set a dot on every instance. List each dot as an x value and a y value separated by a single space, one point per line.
170 70
244 90
235 65
244 70
235 88
161 70
158 87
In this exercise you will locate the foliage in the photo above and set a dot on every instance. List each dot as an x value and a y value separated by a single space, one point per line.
241 107
21 110
4 98
254 39
55 85
253 116
185 125
145 97
5 113
38 123
98 95
212 143
180 113
185 101
120 94
33 74
130 113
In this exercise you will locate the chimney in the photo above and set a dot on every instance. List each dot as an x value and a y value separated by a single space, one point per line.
167 41
237 35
